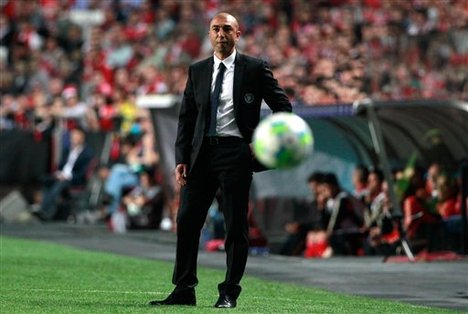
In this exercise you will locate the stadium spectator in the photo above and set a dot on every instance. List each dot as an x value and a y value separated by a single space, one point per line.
449 208
124 172
375 195
73 171
360 180
432 174
420 219
143 204
297 230
73 112
342 221
447 192
379 223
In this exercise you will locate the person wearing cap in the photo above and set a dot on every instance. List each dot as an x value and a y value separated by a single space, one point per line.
74 112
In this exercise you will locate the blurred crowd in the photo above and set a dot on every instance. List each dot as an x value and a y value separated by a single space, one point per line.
84 63
365 221
105 54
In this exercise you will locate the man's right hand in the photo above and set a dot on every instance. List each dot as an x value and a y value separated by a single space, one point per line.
181 174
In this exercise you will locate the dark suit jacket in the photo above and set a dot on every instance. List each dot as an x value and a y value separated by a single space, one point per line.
81 167
253 82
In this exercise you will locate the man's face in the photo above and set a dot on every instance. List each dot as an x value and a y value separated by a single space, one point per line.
326 190
373 183
77 138
224 33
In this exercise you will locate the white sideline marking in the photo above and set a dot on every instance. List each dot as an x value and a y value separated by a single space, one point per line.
88 291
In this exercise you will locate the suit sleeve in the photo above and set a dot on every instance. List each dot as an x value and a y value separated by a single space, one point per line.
63 158
186 124
274 96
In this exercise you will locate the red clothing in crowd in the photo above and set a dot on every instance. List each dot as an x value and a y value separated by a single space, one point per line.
416 214
448 208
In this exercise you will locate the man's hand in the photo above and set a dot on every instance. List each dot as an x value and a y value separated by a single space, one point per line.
60 176
251 150
181 174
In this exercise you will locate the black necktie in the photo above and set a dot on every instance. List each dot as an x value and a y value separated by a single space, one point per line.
215 99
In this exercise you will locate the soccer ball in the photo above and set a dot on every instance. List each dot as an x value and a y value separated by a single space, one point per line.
282 140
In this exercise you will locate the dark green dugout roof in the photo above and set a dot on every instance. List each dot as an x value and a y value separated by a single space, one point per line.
408 127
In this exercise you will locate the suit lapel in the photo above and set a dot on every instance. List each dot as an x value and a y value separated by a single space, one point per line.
238 74
207 72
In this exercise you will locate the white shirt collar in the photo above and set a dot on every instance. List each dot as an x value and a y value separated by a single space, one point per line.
228 62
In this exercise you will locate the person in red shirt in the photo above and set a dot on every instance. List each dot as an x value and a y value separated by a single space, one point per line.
419 219
447 197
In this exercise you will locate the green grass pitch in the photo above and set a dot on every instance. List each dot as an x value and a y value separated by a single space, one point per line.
38 277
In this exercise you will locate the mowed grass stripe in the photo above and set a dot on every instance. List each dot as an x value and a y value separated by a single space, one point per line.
39 277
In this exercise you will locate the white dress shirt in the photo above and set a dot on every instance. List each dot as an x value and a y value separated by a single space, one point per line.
72 157
225 122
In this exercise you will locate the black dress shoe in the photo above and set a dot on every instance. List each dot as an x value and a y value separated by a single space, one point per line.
186 298
225 301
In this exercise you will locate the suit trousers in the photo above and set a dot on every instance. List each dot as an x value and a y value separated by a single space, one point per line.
51 192
224 165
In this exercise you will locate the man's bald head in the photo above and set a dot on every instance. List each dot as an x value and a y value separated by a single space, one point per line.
228 17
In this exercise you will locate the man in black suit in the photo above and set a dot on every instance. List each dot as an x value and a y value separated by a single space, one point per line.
72 172
219 112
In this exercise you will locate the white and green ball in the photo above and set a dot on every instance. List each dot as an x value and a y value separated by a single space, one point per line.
282 140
